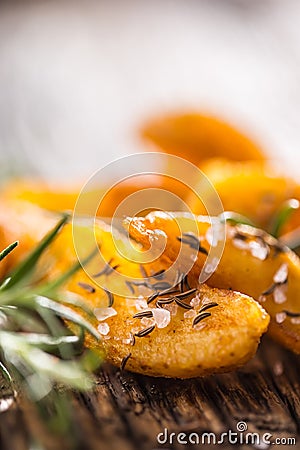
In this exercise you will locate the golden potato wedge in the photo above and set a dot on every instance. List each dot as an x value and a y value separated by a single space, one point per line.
225 340
197 137
253 262
61 197
251 188
227 337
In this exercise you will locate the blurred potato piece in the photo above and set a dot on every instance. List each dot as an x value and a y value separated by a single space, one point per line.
249 264
197 137
229 338
251 188
63 197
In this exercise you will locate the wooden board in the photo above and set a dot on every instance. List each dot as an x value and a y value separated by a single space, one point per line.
127 411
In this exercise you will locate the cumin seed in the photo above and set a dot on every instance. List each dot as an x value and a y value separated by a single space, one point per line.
87 287
186 293
200 317
208 306
110 297
142 314
182 304
124 361
145 331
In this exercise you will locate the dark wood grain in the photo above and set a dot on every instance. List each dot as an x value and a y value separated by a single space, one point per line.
126 411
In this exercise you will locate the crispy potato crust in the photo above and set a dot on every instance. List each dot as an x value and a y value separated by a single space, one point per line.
249 264
225 340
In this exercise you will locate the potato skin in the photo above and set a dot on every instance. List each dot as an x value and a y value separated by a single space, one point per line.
251 188
239 270
228 339
197 137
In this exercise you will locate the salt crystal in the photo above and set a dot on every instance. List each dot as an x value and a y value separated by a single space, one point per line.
104 313
172 307
200 326
209 236
205 300
103 328
211 267
141 303
258 250
281 274
240 244
280 317
135 330
278 368
215 234
295 320
189 314
195 301
127 341
147 321
162 317
279 294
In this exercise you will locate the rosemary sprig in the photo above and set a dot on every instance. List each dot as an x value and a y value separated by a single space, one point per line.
36 348
235 218
283 215
8 249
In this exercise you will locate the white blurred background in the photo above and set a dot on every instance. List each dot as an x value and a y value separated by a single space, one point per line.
77 78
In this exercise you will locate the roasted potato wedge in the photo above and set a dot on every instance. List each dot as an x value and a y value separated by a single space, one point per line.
197 137
55 197
251 188
253 263
227 337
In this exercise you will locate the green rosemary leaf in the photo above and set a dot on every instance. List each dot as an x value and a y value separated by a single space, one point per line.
5 372
22 319
235 218
26 267
41 340
50 288
283 216
66 313
292 239
28 358
8 249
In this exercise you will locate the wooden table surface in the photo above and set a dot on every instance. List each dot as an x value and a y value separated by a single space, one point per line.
126 411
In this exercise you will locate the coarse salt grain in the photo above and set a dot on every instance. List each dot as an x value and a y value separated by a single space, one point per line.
162 317
240 244
205 300
280 317
172 308
278 368
199 326
147 321
189 314
215 234
258 250
279 294
141 303
104 313
295 320
211 267
103 328
127 341
195 301
281 274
